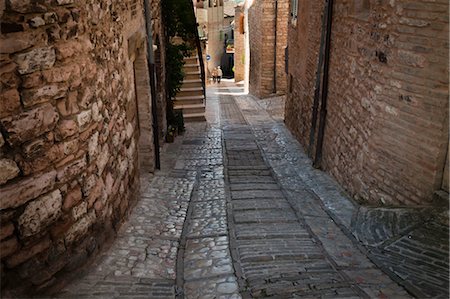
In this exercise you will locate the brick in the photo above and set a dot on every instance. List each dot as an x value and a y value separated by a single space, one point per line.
40 213
17 194
30 124
362 151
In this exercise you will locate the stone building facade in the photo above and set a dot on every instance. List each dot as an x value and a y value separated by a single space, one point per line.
76 129
239 43
386 133
268 30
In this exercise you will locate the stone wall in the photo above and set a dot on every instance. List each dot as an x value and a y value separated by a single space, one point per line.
386 132
69 132
261 17
239 46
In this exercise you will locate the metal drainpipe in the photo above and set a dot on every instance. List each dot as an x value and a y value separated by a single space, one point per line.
275 50
317 90
151 72
323 108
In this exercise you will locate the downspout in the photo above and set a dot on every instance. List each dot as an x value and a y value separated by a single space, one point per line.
151 72
323 109
315 110
275 50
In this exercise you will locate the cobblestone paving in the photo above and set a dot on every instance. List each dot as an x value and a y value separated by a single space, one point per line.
237 212
408 244
142 260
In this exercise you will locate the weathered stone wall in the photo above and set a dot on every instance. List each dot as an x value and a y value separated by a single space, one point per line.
262 37
239 46
69 132
387 126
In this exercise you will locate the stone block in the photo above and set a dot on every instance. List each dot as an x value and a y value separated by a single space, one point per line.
27 252
84 118
66 50
35 60
93 146
95 193
6 230
71 169
8 247
40 213
70 147
88 184
61 74
36 22
15 43
68 106
80 228
31 97
32 80
9 102
30 124
86 98
8 170
72 198
79 211
67 128
17 194
102 159
41 162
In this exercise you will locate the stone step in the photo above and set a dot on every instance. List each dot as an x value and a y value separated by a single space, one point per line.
192 75
193 92
194 117
190 108
190 100
192 83
191 68
191 59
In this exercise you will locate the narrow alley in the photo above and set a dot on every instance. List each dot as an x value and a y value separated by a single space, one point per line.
237 212
218 149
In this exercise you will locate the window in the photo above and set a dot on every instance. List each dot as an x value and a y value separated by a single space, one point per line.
294 12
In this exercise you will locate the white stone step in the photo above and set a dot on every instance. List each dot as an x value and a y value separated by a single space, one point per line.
190 108
193 117
189 100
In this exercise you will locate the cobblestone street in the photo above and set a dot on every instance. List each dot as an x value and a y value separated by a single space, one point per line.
237 211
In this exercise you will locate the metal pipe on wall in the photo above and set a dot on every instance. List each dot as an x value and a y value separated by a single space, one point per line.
151 71
317 87
323 107
275 49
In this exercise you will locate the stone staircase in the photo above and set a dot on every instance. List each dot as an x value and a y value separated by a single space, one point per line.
191 98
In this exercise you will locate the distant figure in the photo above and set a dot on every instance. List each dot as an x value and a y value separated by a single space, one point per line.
214 75
219 74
